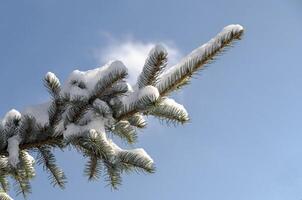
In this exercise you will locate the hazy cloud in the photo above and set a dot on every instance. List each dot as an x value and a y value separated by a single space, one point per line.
132 53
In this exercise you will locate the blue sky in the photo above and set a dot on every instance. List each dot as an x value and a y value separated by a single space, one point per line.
244 139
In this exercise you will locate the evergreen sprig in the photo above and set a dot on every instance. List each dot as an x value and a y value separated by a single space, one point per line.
180 74
53 85
80 114
125 131
170 111
154 65
93 168
4 196
137 161
46 158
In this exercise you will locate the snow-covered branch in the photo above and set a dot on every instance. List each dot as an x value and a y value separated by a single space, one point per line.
179 75
88 106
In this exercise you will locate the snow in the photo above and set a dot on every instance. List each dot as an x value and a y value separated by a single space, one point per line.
130 98
51 76
102 106
76 92
88 79
141 152
173 103
30 158
39 112
113 147
97 124
130 87
72 130
169 107
93 133
157 49
10 115
148 91
59 128
116 149
13 150
233 27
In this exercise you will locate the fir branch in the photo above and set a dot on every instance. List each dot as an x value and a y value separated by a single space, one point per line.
137 160
4 182
147 97
47 159
22 184
101 108
102 94
170 111
76 111
55 112
4 196
93 168
113 75
180 74
29 129
93 143
4 166
137 120
27 164
125 131
3 137
53 85
12 124
113 175
154 65
104 85
118 89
